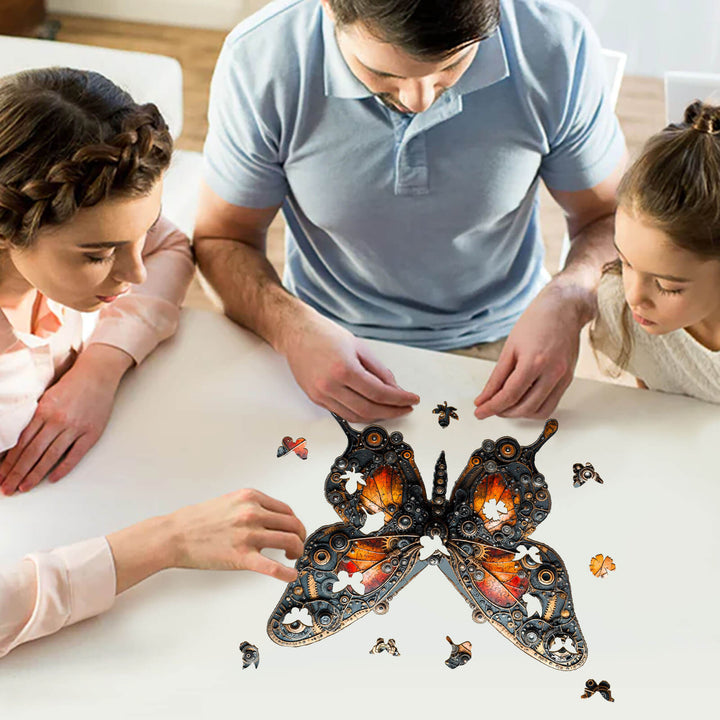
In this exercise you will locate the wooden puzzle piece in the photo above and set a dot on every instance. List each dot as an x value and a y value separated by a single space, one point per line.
600 565
297 446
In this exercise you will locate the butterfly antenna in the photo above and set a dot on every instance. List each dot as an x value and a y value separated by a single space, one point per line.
549 430
352 434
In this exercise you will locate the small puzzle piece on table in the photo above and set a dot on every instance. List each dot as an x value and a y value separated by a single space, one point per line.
445 413
600 565
250 654
583 473
296 446
603 687
382 646
460 654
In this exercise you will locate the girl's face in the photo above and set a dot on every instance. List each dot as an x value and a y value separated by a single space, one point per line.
92 259
666 287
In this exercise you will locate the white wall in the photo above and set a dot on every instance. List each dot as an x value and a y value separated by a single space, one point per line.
215 14
657 35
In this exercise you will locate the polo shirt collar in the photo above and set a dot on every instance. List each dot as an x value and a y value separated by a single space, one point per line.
489 66
339 79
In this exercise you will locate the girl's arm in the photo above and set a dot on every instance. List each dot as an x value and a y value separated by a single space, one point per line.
47 591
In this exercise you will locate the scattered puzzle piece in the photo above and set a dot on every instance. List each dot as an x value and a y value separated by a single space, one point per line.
600 565
296 446
603 687
251 655
382 646
445 412
460 654
583 473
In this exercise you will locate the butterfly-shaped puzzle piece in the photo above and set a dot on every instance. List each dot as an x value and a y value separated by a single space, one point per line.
603 687
600 565
296 446
496 503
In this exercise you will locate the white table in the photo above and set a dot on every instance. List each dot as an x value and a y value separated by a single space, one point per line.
205 414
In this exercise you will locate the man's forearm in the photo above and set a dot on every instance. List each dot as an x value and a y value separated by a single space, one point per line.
590 249
249 287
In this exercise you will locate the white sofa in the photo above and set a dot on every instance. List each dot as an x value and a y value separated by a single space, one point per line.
148 78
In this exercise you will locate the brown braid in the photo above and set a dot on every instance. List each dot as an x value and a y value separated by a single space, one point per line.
70 139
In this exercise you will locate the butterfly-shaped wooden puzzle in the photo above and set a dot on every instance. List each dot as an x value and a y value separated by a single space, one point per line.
297 446
521 588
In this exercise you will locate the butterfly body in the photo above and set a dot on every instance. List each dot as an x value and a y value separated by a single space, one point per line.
496 503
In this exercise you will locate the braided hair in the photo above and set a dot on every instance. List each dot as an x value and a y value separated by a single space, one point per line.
68 140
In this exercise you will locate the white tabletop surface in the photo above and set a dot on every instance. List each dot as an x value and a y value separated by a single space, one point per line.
205 414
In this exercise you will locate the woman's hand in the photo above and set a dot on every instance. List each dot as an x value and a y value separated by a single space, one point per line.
69 419
227 533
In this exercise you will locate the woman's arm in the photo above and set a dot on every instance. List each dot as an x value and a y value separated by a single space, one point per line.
47 591
72 414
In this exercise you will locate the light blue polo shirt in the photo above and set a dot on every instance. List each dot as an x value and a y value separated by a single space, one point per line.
420 229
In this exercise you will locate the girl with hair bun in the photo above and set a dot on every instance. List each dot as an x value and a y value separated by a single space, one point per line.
81 168
659 302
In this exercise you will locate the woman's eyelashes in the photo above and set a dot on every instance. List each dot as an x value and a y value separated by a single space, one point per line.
100 258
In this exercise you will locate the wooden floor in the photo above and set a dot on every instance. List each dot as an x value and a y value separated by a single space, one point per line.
640 109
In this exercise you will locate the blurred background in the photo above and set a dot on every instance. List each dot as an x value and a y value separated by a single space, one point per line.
656 36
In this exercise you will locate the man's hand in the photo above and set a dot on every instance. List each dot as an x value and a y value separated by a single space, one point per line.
338 372
538 360
69 419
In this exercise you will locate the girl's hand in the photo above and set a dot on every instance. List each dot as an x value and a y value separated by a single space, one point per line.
69 419
226 533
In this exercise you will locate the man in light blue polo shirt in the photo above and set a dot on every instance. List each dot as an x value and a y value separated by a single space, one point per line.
405 143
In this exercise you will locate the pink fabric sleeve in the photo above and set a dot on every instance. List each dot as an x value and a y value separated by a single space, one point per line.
139 321
48 591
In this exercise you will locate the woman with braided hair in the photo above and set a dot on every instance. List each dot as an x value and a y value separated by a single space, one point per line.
659 302
80 231
82 240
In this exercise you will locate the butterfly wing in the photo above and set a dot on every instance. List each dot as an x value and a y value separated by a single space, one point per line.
500 497
529 602
497 502
392 486
385 563
386 559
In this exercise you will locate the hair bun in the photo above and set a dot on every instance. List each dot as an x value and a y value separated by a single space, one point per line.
703 117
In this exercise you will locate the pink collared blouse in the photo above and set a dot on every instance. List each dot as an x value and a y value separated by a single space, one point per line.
49 590
135 323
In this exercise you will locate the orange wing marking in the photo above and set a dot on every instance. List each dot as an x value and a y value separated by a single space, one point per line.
383 492
494 502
